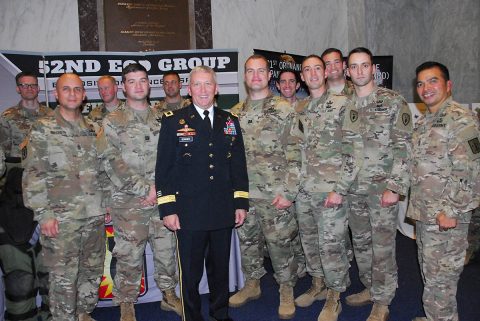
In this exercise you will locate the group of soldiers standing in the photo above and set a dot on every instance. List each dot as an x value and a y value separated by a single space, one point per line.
345 156
342 157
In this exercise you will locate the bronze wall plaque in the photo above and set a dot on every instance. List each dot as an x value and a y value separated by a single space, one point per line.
146 25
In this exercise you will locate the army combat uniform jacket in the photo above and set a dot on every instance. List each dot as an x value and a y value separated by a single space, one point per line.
100 112
379 126
163 106
15 123
273 153
61 169
319 125
445 164
129 143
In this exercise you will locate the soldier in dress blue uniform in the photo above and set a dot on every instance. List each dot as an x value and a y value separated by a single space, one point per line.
202 189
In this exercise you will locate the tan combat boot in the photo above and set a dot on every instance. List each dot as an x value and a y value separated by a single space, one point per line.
85 317
379 312
127 311
332 307
359 299
251 291
171 302
286 309
317 291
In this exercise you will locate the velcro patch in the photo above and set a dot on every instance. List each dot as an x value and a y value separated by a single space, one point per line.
474 144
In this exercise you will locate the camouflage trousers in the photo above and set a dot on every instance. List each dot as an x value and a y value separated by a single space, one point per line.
322 231
74 260
24 275
297 245
374 230
441 255
278 228
133 228
474 232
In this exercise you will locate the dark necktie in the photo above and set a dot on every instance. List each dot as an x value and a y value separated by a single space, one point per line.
206 120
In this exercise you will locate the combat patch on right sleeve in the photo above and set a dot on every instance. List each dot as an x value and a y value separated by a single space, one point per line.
474 144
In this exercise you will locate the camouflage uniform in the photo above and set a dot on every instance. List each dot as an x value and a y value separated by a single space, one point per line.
273 163
322 229
15 123
98 113
474 227
60 182
381 122
130 142
163 106
21 262
444 170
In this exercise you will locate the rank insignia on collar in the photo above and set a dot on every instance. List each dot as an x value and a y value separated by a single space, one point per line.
168 113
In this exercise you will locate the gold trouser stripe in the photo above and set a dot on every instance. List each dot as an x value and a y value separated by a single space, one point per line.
240 194
180 274
166 199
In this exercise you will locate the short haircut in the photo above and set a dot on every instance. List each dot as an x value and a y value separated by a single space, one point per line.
132 68
202 68
313 56
297 78
360 50
332 50
111 78
433 64
172 73
255 56
24 74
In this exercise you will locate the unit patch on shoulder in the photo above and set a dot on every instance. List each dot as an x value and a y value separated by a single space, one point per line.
474 145
353 116
406 119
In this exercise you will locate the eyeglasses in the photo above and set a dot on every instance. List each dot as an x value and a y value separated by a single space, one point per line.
30 86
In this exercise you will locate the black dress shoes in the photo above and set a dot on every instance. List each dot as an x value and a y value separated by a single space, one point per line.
227 319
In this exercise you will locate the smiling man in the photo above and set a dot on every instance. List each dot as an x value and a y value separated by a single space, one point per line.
288 84
130 138
61 187
335 69
274 162
202 184
445 183
322 228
